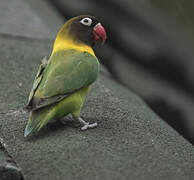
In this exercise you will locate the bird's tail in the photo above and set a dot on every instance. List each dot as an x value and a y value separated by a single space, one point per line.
38 119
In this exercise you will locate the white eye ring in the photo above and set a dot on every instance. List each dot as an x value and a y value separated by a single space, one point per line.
86 21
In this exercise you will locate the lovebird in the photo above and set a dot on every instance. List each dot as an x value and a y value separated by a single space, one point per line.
62 83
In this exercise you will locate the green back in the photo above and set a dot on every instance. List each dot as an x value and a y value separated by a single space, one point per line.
66 72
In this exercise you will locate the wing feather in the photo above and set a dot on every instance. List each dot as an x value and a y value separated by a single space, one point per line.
37 80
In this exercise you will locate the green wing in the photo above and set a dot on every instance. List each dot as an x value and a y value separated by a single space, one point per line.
37 80
66 72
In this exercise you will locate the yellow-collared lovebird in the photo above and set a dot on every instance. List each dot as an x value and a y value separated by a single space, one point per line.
61 84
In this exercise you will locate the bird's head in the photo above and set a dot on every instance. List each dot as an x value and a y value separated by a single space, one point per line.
84 29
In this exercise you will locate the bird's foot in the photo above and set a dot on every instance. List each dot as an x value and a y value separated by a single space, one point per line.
85 124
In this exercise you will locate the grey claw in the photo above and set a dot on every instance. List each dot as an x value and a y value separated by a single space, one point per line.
87 125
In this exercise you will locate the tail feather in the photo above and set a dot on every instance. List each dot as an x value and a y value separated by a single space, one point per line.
37 120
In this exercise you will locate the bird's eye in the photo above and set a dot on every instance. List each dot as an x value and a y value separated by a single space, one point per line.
86 21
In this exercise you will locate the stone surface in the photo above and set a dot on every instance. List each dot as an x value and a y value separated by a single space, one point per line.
131 142
171 102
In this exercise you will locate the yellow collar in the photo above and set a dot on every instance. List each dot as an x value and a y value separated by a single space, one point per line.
66 43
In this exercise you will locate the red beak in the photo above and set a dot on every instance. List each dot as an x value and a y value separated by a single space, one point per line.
99 33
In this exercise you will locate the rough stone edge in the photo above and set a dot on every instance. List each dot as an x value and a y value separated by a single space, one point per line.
9 169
